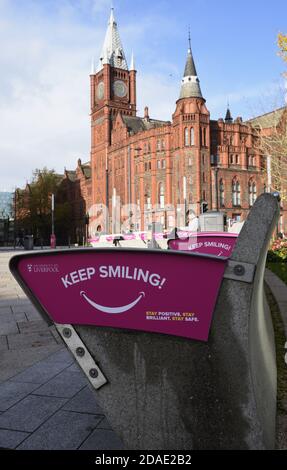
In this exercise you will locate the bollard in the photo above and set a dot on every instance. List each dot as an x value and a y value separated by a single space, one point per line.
167 391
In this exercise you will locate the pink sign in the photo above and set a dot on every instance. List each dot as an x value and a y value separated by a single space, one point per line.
163 292
212 243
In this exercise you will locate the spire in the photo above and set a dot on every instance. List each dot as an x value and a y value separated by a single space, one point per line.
132 66
190 87
93 66
112 50
228 117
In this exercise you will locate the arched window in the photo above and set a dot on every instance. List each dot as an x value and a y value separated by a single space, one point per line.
252 191
236 196
186 142
161 195
221 193
204 136
147 199
192 136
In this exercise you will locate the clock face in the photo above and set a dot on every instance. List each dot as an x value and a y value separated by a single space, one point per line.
100 90
120 88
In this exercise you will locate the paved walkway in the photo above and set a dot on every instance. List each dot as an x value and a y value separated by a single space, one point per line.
279 290
45 399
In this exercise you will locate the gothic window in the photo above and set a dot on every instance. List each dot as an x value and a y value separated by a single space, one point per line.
192 136
145 148
252 191
203 159
158 165
147 199
189 161
148 147
163 164
158 145
162 144
203 178
161 195
221 193
236 196
186 142
237 159
204 136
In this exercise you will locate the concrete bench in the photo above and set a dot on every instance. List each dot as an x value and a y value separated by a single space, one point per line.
178 383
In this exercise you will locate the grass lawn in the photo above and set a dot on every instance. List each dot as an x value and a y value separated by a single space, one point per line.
280 269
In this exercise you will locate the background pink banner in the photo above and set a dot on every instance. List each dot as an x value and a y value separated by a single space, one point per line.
212 243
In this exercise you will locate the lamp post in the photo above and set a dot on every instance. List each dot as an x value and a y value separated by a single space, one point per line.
184 200
53 237
87 219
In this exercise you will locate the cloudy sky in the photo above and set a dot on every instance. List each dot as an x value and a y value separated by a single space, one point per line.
45 59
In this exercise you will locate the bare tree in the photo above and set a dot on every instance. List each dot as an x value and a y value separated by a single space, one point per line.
271 130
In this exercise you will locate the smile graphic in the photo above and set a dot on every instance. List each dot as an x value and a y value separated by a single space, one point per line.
105 309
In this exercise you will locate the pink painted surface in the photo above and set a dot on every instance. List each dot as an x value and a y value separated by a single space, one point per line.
166 292
212 243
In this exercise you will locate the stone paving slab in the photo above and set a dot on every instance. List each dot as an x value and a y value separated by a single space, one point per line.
13 392
64 385
8 328
63 431
19 317
30 413
15 361
41 373
5 311
30 340
33 326
11 439
3 343
102 440
62 356
84 402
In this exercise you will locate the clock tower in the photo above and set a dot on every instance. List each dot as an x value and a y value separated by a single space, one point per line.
113 91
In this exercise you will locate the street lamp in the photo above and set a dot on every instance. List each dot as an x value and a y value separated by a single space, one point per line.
87 220
53 237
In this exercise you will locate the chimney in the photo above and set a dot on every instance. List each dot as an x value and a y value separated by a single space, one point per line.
146 116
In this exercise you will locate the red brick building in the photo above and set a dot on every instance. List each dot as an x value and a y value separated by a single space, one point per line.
160 164
150 170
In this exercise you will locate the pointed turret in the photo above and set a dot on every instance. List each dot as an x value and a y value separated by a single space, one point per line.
93 67
190 87
112 50
228 117
132 66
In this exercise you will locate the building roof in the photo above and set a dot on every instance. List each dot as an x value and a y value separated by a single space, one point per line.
137 124
112 50
190 69
228 117
190 87
268 120
87 170
71 174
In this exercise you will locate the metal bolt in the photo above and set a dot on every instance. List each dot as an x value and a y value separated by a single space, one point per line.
80 352
93 373
67 332
239 270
